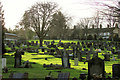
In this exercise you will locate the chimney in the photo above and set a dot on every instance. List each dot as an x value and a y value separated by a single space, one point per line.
93 26
100 26
74 27
108 26
116 25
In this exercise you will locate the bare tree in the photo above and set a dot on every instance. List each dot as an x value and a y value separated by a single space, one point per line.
112 14
110 11
38 18
84 25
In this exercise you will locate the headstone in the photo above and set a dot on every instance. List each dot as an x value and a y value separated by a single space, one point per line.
116 71
28 44
91 49
42 49
113 51
32 43
74 51
36 42
79 55
95 54
18 75
17 59
63 76
118 54
65 59
76 61
107 57
88 57
113 58
26 64
82 76
95 68
3 63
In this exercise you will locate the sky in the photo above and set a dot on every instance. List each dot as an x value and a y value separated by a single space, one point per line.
14 9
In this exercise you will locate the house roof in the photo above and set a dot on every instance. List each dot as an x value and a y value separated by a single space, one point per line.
10 34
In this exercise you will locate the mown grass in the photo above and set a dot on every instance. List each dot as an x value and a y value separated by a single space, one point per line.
37 70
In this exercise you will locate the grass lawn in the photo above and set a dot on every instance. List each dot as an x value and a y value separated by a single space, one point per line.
37 70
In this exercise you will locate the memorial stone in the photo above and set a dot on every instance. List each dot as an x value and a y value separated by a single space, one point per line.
17 59
88 57
3 63
96 68
32 43
18 76
118 54
76 61
65 59
107 57
63 76
116 71
95 54
36 42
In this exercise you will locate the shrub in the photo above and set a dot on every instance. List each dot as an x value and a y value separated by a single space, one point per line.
89 37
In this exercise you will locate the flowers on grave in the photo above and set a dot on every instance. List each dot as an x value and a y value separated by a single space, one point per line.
98 50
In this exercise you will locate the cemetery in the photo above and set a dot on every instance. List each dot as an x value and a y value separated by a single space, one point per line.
47 41
76 59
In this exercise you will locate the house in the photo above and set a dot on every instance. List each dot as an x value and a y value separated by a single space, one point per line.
10 36
117 31
103 32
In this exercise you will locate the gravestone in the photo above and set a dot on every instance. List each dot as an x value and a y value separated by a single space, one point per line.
76 61
82 76
102 47
113 58
91 49
26 64
36 42
118 54
18 76
74 51
107 57
63 76
95 54
3 63
17 59
116 71
28 44
65 59
58 52
96 68
42 49
32 43
88 57
79 55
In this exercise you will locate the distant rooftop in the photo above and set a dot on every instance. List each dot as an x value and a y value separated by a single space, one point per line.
10 34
